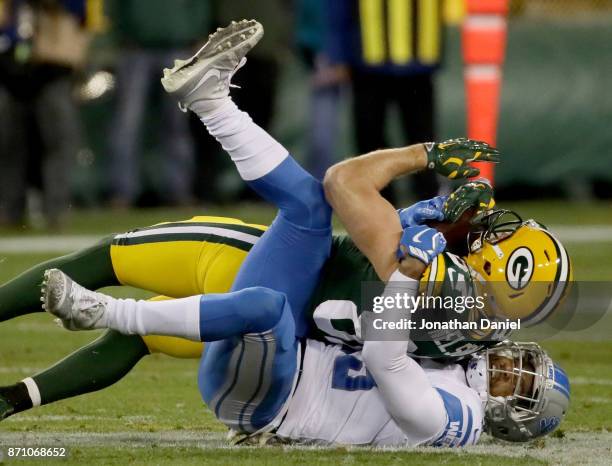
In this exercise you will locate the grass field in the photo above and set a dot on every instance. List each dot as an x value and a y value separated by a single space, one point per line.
155 415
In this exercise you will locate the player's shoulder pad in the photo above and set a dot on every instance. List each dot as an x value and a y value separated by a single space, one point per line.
445 267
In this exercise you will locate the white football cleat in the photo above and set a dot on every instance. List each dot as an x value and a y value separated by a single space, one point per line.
77 307
206 76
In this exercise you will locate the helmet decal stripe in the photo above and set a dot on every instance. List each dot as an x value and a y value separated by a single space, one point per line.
561 381
561 374
561 389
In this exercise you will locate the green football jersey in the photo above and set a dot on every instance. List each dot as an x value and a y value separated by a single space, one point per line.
340 299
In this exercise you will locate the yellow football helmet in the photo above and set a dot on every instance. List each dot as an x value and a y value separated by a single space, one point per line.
523 269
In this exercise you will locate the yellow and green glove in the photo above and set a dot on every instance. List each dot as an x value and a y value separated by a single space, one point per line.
476 194
451 158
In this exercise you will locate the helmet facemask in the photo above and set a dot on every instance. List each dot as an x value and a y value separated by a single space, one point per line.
517 415
495 226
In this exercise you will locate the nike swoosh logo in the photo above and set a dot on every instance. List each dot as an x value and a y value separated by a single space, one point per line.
209 74
417 238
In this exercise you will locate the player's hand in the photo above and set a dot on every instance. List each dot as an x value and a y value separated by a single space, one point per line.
420 212
422 243
476 194
451 158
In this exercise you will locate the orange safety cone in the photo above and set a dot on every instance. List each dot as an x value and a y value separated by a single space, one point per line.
483 86
484 43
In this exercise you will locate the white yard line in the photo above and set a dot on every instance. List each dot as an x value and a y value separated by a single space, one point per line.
590 381
37 244
180 438
67 243
585 234
585 448
75 417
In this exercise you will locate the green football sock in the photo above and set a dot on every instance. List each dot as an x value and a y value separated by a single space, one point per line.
14 399
93 367
91 267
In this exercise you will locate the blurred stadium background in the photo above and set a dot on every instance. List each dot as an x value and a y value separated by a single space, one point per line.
554 133
553 126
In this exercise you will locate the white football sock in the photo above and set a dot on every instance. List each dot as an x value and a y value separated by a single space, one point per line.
33 391
175 317
254 151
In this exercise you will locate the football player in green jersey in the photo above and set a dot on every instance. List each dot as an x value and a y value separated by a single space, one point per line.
174 246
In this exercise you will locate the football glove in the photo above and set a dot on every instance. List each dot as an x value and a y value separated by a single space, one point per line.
422 243
475 194
418 213
450 158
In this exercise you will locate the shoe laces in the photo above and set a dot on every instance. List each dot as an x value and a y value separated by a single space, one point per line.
87 301
240 65
183 108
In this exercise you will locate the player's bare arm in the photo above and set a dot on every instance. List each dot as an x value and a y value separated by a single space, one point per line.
353 189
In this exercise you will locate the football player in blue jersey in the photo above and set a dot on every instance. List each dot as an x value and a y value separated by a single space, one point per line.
375 396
